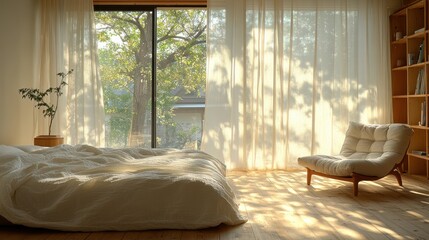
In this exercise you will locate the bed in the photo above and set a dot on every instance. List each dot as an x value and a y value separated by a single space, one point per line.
84 188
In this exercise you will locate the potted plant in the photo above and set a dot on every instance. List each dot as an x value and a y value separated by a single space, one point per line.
49 109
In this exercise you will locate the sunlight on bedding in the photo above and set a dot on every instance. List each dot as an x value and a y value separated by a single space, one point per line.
65 178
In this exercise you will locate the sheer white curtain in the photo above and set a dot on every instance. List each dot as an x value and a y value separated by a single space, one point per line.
286 77
68 41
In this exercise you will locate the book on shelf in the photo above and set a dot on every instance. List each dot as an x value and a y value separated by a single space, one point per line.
420 83
423 114
410 59
421 57
420 30
416 152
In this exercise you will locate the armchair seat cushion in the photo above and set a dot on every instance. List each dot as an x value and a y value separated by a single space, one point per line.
371 150
344 167
332 165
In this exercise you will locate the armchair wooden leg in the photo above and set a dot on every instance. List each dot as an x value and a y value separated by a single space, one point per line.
397 174
309 173
355 186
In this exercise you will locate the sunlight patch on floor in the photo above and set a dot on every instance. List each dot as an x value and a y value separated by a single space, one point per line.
282 202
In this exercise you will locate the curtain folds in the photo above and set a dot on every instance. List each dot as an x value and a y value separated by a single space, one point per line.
285 77
68 41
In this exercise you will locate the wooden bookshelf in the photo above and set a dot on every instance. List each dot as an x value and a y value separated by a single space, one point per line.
409 37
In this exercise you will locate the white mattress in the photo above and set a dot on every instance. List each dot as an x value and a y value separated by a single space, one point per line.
83 188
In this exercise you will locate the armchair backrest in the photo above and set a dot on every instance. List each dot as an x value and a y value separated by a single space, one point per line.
381 142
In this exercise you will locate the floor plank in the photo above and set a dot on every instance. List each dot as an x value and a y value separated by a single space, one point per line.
279 205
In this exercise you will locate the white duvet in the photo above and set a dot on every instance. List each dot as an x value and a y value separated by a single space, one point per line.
83 188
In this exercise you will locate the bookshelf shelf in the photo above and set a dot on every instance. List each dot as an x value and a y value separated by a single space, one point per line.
418 65
402 68
419 35
419 127
400 41
409 33
418 156
417 96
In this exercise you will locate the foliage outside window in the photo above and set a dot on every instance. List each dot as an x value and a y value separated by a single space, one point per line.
126 52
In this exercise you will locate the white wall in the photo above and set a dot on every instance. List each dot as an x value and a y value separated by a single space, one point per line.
17 65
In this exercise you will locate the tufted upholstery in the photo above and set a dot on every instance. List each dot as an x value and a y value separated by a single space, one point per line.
371 150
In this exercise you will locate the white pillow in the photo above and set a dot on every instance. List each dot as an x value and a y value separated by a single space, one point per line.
9 151
29 148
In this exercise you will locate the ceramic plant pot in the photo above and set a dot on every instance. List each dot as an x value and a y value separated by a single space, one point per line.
48 140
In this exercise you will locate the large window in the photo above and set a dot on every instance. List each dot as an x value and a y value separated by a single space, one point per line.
153 68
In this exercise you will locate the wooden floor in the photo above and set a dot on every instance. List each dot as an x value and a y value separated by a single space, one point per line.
279 205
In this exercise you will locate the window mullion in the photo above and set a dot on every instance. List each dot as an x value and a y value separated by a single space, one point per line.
154 83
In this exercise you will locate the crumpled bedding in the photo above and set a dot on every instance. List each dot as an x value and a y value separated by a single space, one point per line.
84 188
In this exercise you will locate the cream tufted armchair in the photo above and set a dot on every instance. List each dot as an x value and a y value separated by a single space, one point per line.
369 152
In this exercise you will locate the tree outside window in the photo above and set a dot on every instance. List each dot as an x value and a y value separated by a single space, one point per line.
125 41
